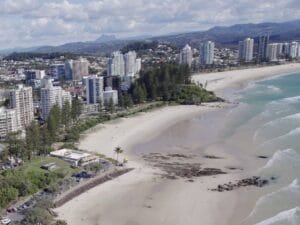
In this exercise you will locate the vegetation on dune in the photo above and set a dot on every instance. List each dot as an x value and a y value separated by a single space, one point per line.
169 82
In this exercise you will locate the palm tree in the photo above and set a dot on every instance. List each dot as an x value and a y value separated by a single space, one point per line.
118 150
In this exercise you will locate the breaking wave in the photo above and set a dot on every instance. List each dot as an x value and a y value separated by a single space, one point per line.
275 202
283 160
288 217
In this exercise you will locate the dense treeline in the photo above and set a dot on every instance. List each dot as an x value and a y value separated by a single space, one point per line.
169 82
21 56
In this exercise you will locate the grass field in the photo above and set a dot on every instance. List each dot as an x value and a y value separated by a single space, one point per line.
36 163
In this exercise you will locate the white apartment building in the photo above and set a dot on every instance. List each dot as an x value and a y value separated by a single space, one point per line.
246 50
66 97
116 65
293 50
110 95
280 50
130 64
51 95
138 65
186 56
22 101
8 122
286 49
272 52
206 51
76 69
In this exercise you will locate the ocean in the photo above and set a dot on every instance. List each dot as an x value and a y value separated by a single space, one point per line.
265 126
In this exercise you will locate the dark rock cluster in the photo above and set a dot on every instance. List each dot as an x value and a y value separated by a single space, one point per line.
252 181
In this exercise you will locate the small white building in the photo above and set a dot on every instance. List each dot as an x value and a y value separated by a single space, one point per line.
75 158
110 95
90 108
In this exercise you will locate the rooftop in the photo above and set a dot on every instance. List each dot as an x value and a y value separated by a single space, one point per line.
70 154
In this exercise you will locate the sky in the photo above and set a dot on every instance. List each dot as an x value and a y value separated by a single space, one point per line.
25 23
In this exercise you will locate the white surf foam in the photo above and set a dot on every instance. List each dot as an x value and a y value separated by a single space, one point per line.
276 122
292 133
282 159
275 202
288 217
279 103
273 89
295 116
262 89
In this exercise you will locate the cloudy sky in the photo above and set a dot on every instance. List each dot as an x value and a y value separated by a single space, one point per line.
26 23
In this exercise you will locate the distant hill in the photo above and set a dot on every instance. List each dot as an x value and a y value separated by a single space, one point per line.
223 36
228 36
105 38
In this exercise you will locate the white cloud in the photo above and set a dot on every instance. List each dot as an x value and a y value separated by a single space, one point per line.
19 6
35 22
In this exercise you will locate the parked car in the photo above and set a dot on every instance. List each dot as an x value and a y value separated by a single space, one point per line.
82 174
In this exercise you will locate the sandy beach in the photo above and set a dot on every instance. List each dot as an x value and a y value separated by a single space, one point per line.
143 196
219 81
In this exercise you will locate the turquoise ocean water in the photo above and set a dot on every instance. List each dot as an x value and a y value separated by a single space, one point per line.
267 123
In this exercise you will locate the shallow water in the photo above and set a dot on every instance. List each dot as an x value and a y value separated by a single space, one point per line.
267 121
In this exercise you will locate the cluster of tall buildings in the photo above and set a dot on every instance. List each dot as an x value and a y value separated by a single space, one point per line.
126 66
122 69
73 70
206 54
76 69
51 95
70 70
20 112
248 51
97 94
266 51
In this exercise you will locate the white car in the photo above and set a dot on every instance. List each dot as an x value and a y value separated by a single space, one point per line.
5 221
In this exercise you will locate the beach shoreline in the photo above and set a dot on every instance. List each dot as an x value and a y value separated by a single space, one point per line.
141 196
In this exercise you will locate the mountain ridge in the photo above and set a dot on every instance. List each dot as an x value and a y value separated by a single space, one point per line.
222 35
